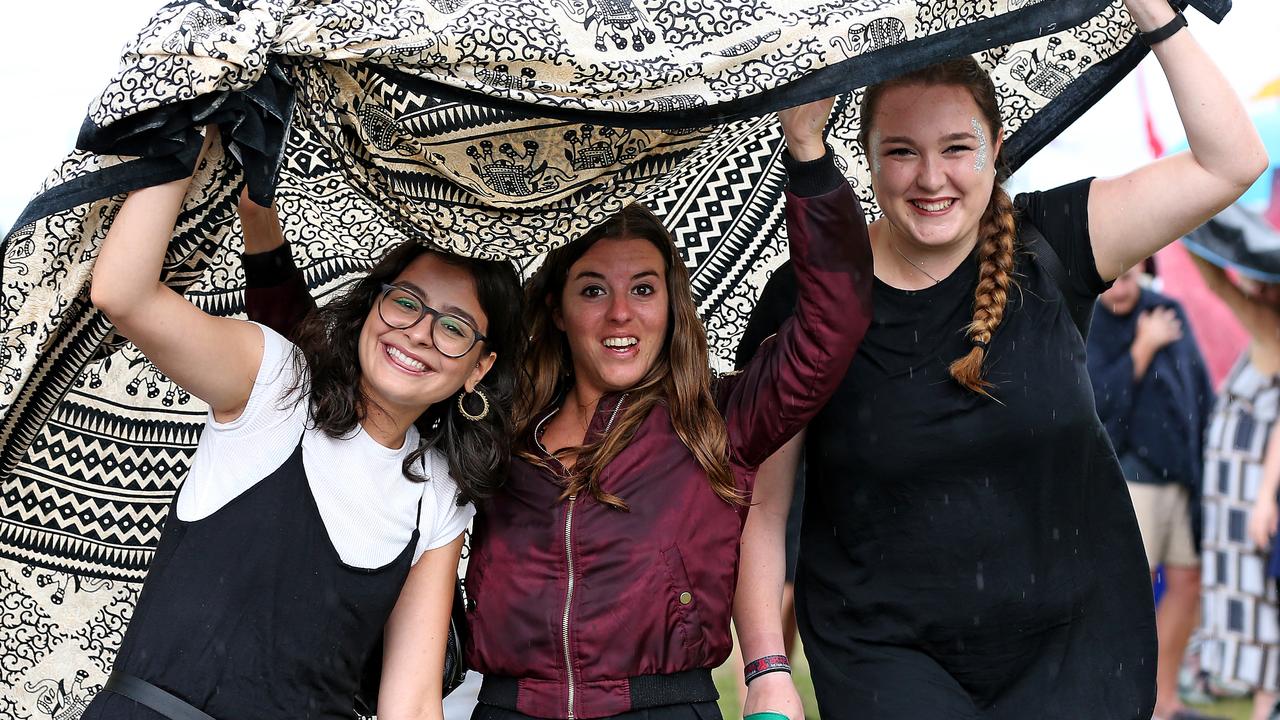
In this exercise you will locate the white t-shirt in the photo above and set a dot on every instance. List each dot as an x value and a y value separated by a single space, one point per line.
365 500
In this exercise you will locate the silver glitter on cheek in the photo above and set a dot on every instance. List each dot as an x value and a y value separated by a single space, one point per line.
875 153
979 158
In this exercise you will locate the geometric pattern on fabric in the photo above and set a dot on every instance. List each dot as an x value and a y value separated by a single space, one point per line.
488 127
367 163
1240 618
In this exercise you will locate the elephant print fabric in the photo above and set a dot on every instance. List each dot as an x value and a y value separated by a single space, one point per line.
493 128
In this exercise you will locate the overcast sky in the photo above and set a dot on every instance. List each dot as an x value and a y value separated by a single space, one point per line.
56 54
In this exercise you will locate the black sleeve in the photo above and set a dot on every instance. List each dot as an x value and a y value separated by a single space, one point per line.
276 294
1062 216
776 304
809 178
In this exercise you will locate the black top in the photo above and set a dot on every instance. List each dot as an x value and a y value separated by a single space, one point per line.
971 529
250 614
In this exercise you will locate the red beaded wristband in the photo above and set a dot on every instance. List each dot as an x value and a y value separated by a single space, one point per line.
764 666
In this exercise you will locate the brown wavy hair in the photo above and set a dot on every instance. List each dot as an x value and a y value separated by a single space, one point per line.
997 232
680 378
328 359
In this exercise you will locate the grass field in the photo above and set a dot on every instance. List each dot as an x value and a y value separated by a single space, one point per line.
726 683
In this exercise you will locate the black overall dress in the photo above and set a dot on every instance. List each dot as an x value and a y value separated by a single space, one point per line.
250 614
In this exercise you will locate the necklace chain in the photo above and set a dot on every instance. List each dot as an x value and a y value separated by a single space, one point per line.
913 264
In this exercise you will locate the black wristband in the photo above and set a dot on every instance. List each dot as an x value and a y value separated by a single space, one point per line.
268 269
1166 31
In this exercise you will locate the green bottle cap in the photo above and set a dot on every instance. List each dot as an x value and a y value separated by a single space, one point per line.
765 716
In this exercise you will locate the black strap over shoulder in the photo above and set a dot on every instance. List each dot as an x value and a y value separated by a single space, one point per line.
1035 243
154 698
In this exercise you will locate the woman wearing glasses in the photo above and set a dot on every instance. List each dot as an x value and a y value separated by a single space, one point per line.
331 486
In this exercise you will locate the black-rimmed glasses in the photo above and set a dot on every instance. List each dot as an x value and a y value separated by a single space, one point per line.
401 308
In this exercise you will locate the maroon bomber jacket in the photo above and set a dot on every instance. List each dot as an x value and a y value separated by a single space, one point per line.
583 605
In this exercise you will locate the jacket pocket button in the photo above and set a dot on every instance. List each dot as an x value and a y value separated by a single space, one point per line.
686 597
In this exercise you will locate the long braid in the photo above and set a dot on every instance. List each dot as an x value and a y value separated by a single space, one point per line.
995 275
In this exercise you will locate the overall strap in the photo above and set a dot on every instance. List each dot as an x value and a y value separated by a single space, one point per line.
1040 248
154 698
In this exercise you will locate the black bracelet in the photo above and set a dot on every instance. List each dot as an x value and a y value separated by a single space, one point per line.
1165 32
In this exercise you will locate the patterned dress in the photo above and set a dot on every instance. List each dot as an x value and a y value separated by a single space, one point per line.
1239 616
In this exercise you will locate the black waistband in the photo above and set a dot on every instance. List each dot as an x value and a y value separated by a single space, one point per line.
161 701
647 691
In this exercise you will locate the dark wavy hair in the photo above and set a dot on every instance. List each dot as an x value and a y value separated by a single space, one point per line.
328 341
680 379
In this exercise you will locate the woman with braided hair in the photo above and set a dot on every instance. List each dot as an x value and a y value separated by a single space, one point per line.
969 548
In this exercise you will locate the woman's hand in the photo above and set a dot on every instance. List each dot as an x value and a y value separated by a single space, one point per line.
1262 522
260 225
774 692
802 127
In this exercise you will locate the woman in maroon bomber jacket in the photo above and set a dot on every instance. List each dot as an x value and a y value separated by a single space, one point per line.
602 575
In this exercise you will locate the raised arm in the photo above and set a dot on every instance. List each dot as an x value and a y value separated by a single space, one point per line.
793 374
215 359
275 293
1134 215
1260 320
413 658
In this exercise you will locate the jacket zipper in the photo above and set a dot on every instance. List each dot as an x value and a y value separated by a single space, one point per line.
568 597
568 553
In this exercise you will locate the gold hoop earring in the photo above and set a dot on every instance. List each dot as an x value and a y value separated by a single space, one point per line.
462 408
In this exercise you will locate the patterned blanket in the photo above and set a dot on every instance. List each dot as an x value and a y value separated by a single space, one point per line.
498 128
